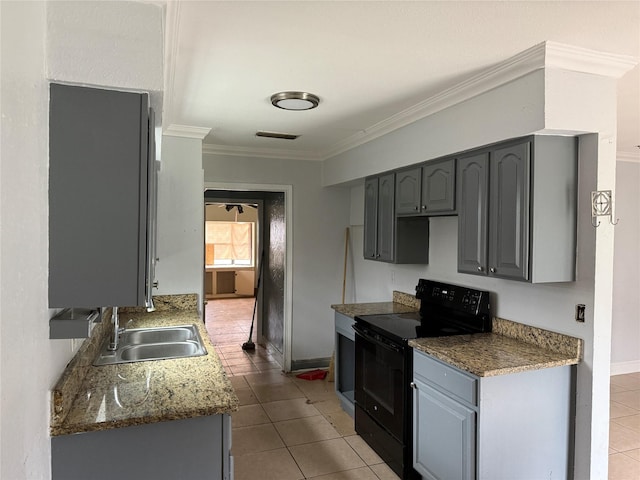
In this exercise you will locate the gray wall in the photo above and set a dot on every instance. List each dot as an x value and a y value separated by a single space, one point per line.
625 334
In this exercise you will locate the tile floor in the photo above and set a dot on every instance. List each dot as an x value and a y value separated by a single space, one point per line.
290 429
624 427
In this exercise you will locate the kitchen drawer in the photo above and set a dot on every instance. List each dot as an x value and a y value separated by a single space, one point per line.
448 379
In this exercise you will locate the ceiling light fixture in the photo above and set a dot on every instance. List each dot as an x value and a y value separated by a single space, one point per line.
295 100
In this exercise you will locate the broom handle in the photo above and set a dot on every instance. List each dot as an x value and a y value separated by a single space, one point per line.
344 274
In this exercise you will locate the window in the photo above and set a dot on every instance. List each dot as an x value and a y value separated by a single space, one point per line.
229 243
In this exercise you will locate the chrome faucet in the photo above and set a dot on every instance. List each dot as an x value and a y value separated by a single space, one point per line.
115 333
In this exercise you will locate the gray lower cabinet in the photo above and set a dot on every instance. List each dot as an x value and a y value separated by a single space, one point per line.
517 210
515 426
427 190
100 197
190 448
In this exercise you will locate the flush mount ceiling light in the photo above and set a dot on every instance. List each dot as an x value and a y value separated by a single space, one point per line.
295 100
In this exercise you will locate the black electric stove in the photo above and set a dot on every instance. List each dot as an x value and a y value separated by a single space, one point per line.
384 369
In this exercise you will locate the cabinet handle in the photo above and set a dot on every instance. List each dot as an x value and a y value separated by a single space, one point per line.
479 269
413 385
416 208
424 207
378 255
492 270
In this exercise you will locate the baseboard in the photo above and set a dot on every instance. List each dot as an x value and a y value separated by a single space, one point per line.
310 363
621 368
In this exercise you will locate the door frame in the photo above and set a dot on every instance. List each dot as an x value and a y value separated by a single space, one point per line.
287 327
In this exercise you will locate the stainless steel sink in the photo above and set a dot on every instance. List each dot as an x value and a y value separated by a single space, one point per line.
143 344
159 335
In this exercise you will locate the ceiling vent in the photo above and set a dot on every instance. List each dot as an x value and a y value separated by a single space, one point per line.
283 136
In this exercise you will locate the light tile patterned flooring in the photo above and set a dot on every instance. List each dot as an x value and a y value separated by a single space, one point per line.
290 429
624 427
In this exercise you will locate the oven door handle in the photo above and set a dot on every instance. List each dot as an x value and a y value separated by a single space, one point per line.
364 333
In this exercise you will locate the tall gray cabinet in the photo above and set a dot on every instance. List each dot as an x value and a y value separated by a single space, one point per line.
100 177
517 210
379 218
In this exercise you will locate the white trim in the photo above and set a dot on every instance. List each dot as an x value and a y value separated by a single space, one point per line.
632 157
620 368
281 154
288 274
578 59
186 131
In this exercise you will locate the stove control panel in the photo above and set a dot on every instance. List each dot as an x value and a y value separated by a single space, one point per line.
454 297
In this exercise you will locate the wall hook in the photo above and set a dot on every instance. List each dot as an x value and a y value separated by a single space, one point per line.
602 205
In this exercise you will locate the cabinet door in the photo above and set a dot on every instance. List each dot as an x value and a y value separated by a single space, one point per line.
509 212
245 282
472 192
408 186
370 218
97 197
386 218
438 187
443 436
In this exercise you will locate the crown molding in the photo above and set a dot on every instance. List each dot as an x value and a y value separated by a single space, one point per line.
282 154
633 157
543 55
186 131
578 59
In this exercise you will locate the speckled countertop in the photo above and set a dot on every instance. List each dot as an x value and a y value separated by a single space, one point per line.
402 303
510 348
89 398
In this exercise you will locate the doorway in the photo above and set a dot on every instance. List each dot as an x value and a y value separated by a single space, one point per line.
269 207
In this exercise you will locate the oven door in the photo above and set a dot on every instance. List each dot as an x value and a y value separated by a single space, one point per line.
379 380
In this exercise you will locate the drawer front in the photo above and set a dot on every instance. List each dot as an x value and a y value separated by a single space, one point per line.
448 379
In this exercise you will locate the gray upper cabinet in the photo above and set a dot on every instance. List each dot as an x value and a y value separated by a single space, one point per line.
379 218
387 238
98 197
509 212
371 218
473 213
427 190
408 187
386 217
438 187
517 210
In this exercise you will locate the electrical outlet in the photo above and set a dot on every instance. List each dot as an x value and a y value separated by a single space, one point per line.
580 313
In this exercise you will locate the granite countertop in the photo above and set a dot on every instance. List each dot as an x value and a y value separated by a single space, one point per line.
89 398
510 348
401 303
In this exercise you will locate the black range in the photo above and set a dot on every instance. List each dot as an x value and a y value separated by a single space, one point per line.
384 370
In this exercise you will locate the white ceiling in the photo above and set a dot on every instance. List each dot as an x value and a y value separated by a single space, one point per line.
367 61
